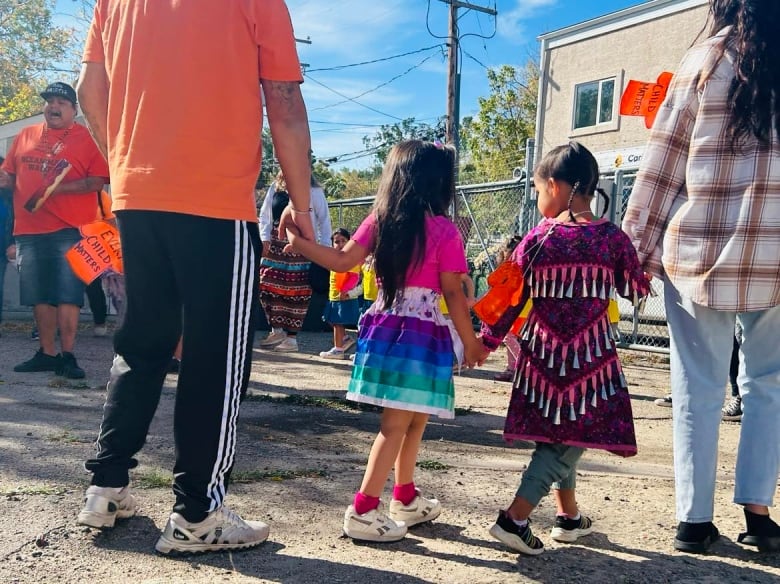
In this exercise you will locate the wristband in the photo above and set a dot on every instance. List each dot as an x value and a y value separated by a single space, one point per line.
294 210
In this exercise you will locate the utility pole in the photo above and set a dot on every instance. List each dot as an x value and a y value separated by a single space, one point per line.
453 75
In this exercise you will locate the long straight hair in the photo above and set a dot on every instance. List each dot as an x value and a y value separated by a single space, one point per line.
418 179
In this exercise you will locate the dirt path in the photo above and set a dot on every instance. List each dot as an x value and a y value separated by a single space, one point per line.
300 458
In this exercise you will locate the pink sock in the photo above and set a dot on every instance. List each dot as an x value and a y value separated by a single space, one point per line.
405 493
364 503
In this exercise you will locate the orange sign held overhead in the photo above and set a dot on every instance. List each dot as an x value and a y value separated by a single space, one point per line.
97 252
644 98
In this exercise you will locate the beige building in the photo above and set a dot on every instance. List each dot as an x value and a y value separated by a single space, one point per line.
585 68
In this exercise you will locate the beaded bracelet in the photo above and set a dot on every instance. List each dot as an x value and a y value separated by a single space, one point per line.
294 210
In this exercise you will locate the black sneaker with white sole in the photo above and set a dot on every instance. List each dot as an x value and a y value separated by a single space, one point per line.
520 539
569 530
732 411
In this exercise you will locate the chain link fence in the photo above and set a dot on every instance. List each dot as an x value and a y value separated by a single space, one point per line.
487 214
644 327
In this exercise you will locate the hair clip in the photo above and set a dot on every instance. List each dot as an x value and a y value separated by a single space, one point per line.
439 144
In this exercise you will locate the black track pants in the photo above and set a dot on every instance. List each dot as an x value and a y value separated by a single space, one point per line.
194 276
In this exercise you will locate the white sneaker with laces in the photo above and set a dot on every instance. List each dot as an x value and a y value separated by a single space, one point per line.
288 345
333 353
418 511
273 338
103 505
222 529
372 526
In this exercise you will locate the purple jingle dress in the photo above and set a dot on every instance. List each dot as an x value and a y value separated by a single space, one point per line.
568 385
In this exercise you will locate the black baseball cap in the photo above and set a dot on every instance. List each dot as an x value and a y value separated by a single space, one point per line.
60 89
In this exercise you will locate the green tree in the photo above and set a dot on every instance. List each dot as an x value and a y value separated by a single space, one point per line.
408 129
31 46
493 141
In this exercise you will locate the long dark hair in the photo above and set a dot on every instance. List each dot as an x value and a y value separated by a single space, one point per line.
754 95
418 178
576 165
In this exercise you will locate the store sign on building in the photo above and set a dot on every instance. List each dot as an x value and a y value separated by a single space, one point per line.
622 159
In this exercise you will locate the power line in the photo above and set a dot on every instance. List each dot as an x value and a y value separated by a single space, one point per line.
339 67
473 58
388 82
345 124
368 107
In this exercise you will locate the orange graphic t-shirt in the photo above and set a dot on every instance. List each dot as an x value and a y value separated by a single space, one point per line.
185 112
39 162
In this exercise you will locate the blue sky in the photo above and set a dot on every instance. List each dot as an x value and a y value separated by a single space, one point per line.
345 32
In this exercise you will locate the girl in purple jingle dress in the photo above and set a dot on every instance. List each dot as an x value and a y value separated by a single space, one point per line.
569 392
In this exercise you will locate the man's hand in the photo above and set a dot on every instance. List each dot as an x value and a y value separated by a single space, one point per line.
10 252
295 221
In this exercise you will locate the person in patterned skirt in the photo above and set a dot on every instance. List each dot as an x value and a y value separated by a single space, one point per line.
285 289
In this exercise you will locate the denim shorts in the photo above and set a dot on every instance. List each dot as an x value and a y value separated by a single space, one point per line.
45 276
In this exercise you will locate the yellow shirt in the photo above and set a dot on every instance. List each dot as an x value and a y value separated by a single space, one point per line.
370 286
333 293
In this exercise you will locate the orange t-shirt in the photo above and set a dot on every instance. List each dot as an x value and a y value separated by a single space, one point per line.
36 163
185 112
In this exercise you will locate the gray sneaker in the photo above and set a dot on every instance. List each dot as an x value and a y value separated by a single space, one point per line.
222 529
273 338
104 505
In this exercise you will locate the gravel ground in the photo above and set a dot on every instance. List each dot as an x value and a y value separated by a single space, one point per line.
300 457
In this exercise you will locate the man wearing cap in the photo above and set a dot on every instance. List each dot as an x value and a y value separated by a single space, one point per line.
55 170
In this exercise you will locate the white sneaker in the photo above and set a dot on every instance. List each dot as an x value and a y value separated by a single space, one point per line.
347 342
372 526
288 345
274 337
222 529
418 511
103 505
333 353
99 330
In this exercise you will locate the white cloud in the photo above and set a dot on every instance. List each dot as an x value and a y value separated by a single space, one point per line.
349 28
511 24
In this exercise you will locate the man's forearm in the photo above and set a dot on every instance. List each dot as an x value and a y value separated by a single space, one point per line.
290 132
90 184
93 96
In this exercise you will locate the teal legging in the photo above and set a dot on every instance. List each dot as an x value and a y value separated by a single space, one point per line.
552 466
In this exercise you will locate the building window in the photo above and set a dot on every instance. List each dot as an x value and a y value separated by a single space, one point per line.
594 103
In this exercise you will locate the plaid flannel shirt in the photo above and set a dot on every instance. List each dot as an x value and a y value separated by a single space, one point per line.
707 218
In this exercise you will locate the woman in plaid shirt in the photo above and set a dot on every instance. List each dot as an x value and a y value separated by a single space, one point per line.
704 215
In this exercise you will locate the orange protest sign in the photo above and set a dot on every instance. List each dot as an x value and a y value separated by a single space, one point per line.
506 289
345 281
644 98
97 252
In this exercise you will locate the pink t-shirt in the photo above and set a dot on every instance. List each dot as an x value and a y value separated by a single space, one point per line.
443 250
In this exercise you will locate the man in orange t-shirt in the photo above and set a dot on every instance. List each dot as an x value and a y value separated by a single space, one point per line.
55 171
171 93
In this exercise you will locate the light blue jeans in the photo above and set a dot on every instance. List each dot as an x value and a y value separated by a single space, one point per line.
701 342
